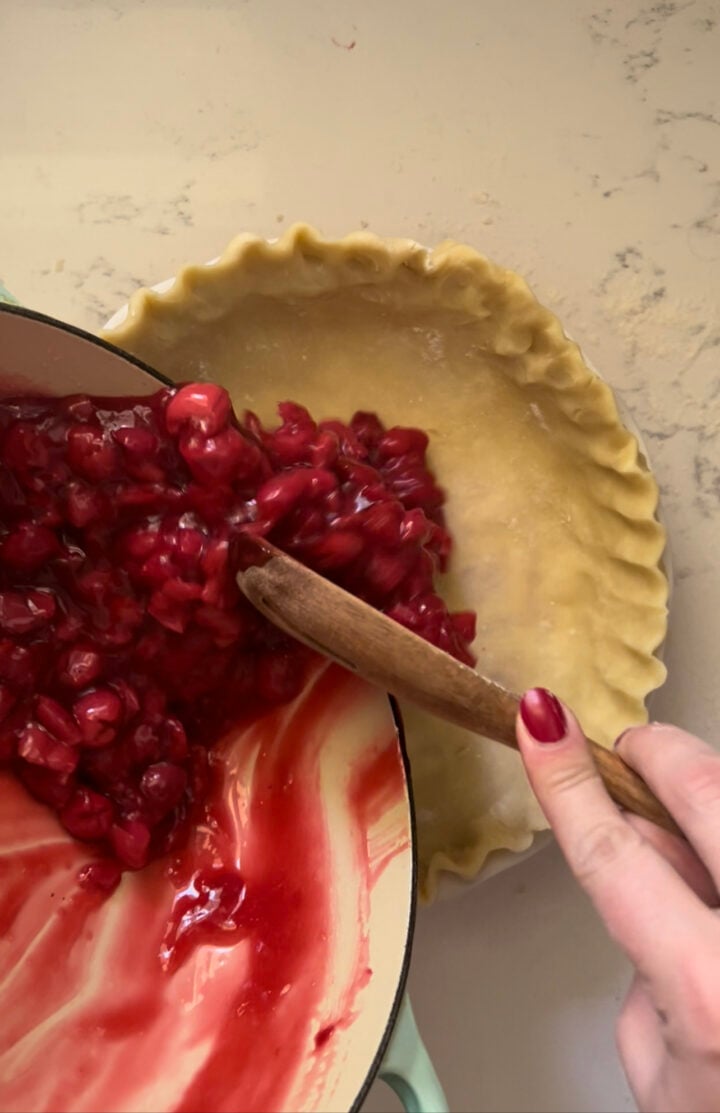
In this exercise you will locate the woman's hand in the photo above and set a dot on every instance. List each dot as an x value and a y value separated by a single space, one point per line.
656 893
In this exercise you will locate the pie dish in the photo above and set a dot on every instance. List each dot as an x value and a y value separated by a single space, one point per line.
550 501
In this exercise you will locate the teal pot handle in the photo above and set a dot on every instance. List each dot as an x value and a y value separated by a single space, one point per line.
5 295
407 1069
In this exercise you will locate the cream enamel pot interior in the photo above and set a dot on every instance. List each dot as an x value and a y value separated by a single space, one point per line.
335 1052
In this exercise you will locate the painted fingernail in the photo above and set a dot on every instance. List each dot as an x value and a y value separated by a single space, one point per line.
543 715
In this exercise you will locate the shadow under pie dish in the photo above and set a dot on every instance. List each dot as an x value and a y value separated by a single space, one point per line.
550 502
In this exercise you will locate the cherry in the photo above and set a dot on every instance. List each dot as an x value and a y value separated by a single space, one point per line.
164 784
36 746
27 546
87 814
79 666
23 612
57 720
131 842
103 875
204 407
96 714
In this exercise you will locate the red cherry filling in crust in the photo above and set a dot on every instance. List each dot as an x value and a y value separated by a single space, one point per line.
126 648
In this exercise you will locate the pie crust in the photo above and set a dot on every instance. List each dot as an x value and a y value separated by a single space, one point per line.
550 501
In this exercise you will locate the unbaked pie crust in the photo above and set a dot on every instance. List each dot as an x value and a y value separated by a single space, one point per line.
550 502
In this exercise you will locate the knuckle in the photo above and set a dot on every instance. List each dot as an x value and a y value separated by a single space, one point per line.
568 777
604 846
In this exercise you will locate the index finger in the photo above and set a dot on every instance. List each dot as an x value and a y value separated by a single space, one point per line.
649 911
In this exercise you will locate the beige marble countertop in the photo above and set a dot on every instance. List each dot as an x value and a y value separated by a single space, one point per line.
577 141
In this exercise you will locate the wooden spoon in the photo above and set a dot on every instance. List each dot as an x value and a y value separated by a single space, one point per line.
354 634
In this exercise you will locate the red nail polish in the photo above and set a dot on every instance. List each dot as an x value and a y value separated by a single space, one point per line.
543 715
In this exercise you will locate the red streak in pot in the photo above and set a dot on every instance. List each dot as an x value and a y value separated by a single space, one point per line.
106 997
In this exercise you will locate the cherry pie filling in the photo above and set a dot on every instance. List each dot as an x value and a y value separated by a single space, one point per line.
126 647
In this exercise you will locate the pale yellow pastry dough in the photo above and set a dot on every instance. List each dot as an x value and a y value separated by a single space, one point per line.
551 504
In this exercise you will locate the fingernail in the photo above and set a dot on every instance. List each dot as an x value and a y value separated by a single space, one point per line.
543 715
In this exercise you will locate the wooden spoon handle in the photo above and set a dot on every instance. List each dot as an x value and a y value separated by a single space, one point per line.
338 625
